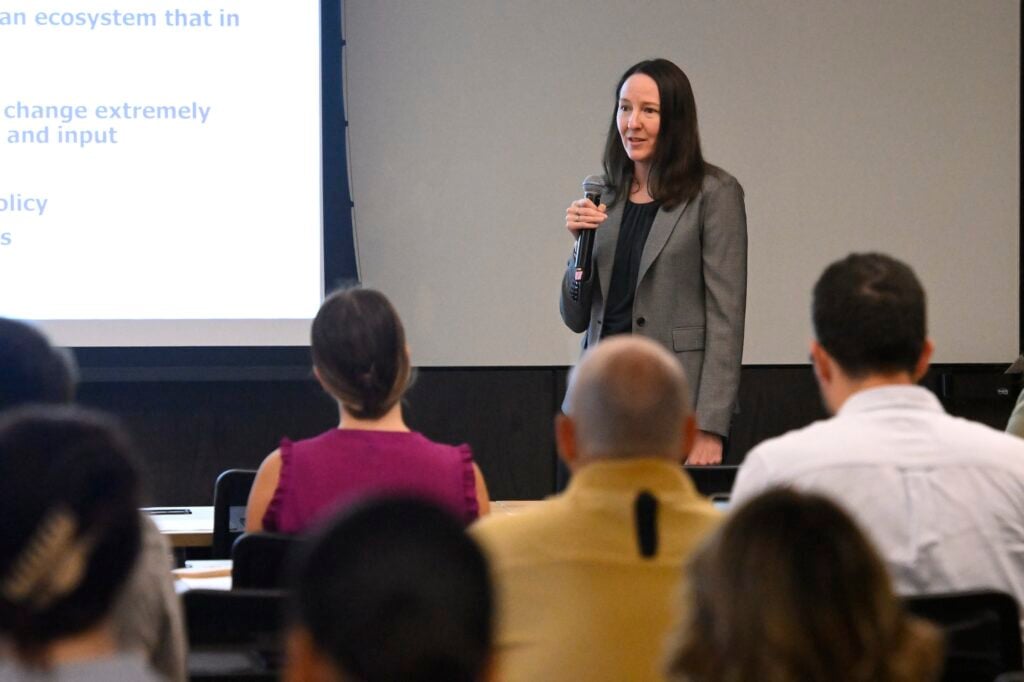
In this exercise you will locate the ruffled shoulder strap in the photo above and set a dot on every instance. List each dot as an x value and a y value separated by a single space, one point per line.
471 505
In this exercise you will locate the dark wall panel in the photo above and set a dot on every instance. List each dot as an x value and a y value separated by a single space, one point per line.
188 431
772 400
504 414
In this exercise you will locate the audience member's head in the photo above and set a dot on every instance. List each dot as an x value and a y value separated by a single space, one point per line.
359 352
393 590
789 590
869 320
31 370
70 530
627 398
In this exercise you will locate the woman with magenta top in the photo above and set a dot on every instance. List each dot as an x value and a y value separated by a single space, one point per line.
361 359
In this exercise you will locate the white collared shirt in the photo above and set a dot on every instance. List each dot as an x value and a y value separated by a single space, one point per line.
941 497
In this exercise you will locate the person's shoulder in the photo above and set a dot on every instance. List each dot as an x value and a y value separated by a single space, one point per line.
982 453
318 440
984 443
777 460
301 452
698 515
460 452
716 178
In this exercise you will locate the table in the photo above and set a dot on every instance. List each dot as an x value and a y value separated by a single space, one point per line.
512 507
184 526
193 526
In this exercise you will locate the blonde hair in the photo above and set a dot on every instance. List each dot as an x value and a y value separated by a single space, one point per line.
790 590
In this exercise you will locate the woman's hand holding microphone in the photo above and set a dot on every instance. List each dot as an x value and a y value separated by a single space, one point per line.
583 214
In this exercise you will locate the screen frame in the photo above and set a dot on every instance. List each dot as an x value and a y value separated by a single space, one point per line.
339 261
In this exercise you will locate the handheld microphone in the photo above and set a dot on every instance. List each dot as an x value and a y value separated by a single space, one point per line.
593 185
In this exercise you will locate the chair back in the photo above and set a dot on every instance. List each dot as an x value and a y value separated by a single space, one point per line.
234 635
258 560
230 495
982 629
712 480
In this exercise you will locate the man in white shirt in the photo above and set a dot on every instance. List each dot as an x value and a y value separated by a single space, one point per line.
942 497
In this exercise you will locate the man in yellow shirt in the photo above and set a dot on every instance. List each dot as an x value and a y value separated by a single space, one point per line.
586 580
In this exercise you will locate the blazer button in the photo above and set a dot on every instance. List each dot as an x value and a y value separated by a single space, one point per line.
641 321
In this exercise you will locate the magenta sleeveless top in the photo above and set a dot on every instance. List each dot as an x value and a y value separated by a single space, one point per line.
343 466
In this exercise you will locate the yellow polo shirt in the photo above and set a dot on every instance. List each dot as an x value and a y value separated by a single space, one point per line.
576 600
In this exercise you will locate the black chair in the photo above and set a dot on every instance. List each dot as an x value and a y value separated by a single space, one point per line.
230 495
982 629
712 480
234 635
258 560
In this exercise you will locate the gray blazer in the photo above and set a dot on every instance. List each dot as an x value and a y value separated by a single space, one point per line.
691 291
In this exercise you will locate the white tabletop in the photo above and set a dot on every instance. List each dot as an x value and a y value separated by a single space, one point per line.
193 526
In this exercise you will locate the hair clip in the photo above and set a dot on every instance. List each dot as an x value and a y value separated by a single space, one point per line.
51 565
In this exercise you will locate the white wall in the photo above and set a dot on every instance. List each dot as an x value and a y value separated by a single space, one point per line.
852 126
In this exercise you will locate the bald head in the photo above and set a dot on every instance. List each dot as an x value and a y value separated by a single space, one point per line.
628 398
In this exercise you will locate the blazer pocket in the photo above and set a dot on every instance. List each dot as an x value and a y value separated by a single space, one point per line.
687 338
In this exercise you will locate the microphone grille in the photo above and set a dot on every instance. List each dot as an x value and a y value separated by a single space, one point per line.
593 184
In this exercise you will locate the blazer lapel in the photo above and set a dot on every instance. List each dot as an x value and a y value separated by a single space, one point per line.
664 223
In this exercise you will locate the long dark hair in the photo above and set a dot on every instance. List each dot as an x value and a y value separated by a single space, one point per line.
677 169
358 346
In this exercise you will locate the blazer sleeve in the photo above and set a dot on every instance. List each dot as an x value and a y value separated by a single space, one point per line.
724 262
576 313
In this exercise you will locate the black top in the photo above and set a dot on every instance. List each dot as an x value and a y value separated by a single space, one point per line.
636 225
